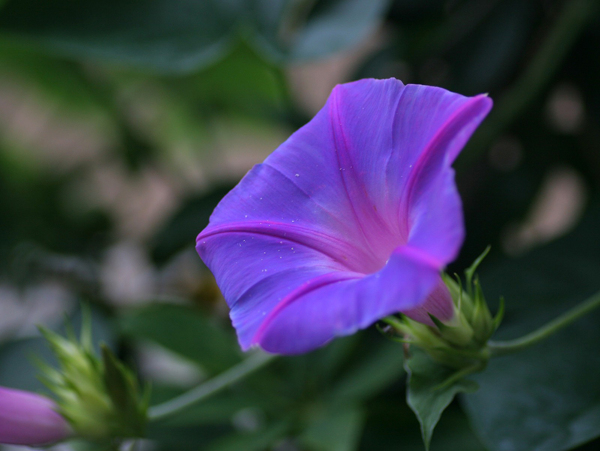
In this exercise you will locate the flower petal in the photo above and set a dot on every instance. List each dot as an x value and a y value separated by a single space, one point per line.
388 137
255 270
320 223
431 201
339 304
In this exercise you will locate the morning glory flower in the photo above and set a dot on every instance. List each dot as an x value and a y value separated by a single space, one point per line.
30 419
351 219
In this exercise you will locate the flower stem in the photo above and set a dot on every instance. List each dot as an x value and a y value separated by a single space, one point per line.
498 348
209 387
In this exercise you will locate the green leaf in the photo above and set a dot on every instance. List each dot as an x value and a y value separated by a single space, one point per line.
370 374
122 388
430 390
172 35
253 441
335 430
191 438
58 81
181 229
183 35
186 332
292 31
546 398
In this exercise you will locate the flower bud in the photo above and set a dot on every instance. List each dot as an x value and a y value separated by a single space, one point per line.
30 419
98 396
454 325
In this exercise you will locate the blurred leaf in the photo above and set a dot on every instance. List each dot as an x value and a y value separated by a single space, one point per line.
391 425
181 230
182 35
251 441
330 360
260 87
334 430
491 54
34 210
190 438
428 395
303 30
186 332
370 374
173 35
453 433
574 18
546 398
62 82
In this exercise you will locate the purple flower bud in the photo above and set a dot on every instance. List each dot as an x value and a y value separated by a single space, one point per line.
30 419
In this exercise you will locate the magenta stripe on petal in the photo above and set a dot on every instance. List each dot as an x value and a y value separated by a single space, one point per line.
29 419
349 220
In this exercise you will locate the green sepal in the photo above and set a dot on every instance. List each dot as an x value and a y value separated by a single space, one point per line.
481 321
499 314
459 334
470 271
122 388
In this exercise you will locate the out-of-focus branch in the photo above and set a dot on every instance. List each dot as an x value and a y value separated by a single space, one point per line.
570 23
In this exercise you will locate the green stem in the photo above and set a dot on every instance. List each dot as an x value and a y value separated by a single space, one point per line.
209 387
508 347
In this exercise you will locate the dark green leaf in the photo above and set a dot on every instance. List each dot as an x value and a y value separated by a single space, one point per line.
173 35
294 31
181 230
546 398
186 332
252 441
335 430
182 35
370 374
428 393
190 438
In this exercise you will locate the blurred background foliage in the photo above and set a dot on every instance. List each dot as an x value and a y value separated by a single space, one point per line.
123 123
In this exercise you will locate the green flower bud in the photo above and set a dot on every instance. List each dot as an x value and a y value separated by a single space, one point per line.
98 396
458 341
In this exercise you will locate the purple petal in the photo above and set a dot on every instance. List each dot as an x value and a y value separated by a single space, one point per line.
256 270
431 202
29 419
339 304
350 219
438 303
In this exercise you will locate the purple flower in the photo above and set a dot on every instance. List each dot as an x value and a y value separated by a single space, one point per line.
30 419
351 219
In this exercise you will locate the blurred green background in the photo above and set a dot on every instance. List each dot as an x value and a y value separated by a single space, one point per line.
123 123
